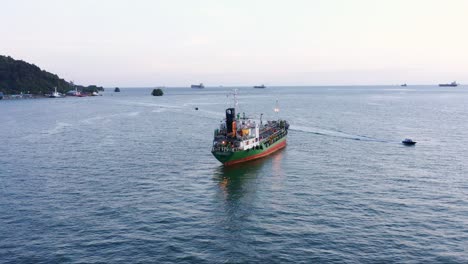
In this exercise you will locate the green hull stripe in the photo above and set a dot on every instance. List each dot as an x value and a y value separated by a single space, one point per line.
229 156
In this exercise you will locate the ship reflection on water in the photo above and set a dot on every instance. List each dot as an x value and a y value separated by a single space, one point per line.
238 180
239 187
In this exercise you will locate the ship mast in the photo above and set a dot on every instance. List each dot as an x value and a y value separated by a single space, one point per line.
277 109
236 102
234 98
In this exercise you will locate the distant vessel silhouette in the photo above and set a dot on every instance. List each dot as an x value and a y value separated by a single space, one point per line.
259 86
404 85
408 142
452 84
197 86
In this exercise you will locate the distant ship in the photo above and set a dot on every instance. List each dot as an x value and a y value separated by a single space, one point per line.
197 86
452 84
404 85
260 86
117 90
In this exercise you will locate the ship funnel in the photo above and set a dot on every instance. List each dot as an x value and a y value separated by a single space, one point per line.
230 117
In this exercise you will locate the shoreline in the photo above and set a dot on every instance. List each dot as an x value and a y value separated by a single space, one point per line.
32 96
22 96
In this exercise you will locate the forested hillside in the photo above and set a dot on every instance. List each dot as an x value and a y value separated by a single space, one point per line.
17 76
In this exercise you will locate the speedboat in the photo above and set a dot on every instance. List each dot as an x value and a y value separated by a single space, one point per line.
408 142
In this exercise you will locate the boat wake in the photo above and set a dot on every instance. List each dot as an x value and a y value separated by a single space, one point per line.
335 133
60 127
185 109
102 118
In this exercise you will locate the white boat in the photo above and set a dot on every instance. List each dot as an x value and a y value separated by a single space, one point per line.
55 94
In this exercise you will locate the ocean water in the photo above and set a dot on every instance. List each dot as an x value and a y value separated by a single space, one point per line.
129 178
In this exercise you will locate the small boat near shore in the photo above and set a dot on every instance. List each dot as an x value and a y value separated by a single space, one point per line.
75 92
55 94
408 142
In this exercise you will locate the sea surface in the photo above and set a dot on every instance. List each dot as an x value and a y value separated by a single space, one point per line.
129 178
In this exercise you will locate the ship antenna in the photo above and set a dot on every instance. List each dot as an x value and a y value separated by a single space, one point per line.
236 102
277 109
227 100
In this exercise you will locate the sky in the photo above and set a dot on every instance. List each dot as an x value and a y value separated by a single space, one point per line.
146 43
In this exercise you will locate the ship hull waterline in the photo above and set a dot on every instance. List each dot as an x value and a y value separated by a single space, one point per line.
230 158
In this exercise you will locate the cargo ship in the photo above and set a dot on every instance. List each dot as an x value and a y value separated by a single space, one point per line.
452 84
260 86
240 139
197 86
